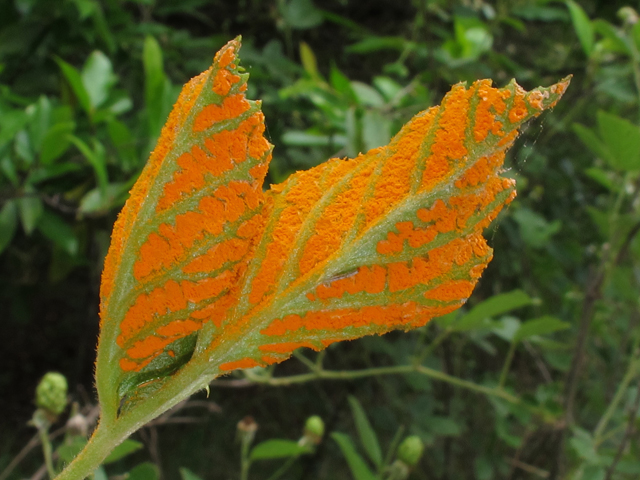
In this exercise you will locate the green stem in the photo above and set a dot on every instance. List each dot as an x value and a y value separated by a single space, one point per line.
46 451
369 372
507 364
245 462
441 337
278 473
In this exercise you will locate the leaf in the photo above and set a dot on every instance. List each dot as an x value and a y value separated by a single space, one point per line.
67 451
356 463
301 14
622 139
277 448
97 78
187 474
58 231
96 201
75 82
582 26
55 142
539 326
366 95
534 228
496 305
206 273
591 140
308 59
144 471
125 448
155 84
368 437
8 223
30 207
96 158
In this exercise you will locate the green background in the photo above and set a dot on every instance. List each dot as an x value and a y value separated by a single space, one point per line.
85 87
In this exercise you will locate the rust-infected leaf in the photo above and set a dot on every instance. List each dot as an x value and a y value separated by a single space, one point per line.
207 274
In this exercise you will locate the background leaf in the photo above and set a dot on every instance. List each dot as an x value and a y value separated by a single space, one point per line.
540 326
582 25
367 435
357 465
277 448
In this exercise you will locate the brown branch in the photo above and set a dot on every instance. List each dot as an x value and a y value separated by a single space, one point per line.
627 435
593 294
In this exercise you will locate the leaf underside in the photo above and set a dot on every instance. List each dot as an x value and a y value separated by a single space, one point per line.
387 240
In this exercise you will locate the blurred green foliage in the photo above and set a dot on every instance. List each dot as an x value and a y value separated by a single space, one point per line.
85 87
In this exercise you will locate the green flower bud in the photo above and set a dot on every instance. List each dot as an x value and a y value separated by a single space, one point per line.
51 393
314 426
410 450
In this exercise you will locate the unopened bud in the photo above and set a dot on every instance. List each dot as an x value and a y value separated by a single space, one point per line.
398 470
78 425
410 450
247 428
628 15
51 393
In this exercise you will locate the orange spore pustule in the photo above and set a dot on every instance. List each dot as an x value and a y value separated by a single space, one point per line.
396 177
386 317
335 221
244 363
170 298
448 148
299 200
519 110
286 347
223 81
224 150
452 290
231 107
491 102
171 244
233 250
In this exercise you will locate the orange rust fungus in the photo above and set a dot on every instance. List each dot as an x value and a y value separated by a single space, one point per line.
223 81
394 182
171 244
231 107
491 102
286 347
224 150
334 223
449 146
453 290
192 264
367 279
300 199
244 363
270 360
388 317
519 110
